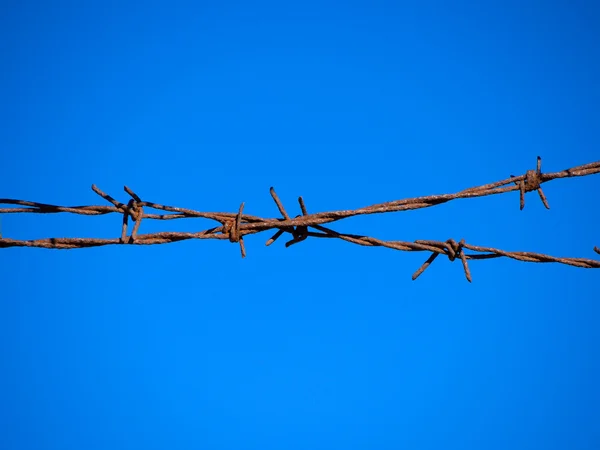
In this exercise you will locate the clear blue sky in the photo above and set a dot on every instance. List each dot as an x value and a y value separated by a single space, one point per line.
324 345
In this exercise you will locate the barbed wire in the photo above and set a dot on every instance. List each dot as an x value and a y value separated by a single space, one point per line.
234 226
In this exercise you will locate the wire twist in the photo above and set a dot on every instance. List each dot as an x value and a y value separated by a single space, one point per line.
234 226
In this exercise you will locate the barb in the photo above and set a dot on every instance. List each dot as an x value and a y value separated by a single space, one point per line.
234 226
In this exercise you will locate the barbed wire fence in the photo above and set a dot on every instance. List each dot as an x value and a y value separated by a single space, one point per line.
234 226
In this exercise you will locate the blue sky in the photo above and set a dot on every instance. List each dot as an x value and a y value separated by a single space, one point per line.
324 344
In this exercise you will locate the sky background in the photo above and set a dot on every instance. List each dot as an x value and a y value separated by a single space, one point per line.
324 345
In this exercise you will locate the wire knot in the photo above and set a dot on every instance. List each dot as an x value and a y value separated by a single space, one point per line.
454 249
533 179
532 182
134 209
232 229
300 232
450 248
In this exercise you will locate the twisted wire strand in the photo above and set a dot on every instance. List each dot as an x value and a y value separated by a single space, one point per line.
234 226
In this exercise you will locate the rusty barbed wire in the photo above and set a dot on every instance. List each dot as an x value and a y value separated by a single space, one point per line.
234 226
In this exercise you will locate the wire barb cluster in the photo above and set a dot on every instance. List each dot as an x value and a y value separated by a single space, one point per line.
234 226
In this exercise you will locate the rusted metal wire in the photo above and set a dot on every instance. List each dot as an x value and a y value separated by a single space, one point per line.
234 226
